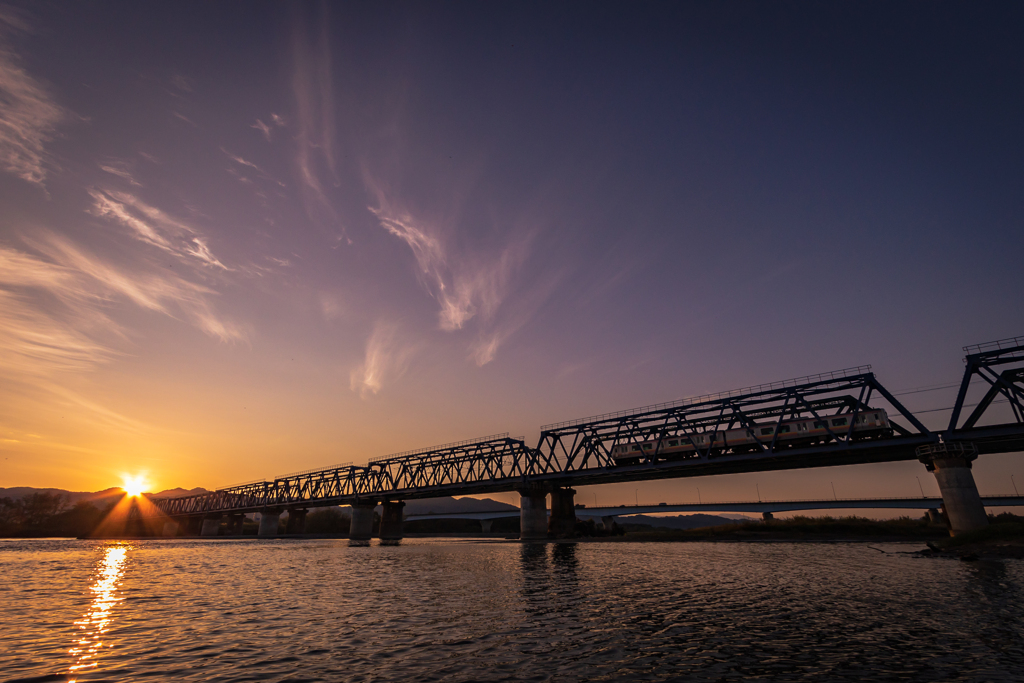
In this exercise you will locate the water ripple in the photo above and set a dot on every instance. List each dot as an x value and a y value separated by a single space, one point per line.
442 610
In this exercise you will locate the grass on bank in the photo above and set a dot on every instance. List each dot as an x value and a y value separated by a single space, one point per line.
997 530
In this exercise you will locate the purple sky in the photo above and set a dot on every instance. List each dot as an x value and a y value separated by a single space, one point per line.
244 239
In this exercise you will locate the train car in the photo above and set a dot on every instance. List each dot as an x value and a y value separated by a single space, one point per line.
869 424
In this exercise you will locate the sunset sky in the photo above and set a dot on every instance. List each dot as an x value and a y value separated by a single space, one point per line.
244 239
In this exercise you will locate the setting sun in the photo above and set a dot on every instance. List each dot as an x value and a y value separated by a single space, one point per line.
134 486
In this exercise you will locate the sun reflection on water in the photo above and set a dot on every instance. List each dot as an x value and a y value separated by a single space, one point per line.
96 622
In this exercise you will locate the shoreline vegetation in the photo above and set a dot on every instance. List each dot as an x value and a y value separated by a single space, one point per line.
51 515
47 515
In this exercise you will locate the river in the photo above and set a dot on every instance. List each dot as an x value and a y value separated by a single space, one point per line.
451 610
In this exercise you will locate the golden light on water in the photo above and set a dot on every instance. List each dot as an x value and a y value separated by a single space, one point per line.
96 622
134 486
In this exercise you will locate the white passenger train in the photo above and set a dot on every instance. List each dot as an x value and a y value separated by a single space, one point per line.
801 432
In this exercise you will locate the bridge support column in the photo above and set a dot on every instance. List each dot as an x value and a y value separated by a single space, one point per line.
562 523
170 528
193 525
211 526
485 525
270 520
391 521
361 528
296 522
235 523
533 514
934 516
608 522
951 464
767 517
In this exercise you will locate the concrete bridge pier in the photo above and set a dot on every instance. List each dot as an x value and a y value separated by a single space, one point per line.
211 526
562 523
767 517
391 521
170 528
934 516
361 528
608 522
235 523
485 525
193 525
533 513
950 462
296 522
270 520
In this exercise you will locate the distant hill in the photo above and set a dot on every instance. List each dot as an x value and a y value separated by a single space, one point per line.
98 498
695 521
179 492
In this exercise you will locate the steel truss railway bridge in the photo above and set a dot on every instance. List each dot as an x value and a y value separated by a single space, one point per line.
579 452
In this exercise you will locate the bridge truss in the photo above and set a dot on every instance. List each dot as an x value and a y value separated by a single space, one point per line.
490 463
999 366
585 447
580 452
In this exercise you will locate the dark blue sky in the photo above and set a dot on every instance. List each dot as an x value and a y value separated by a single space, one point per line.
239 234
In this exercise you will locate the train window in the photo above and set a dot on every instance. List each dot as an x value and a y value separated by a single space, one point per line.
673 443
820 425
636 448
766 430
801 426
876 417
841 422
784 429
648 446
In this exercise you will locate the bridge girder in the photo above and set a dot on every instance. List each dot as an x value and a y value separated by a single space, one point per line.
580 452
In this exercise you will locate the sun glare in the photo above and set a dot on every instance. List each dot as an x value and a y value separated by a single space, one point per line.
134 486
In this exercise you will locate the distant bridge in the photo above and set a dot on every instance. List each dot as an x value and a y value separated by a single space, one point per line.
579 452
738 506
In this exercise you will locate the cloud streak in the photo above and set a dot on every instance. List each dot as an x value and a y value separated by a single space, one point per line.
28 115
153 226
55 305
466 286
263 128
315 118
239 160
120 169
386 360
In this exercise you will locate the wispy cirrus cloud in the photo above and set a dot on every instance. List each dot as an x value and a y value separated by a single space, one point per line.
29 116
56 303
239 160
515 315
182 117
168 294
386 359
263 128
277 121
121 169
465 285
34 343
314 123
153 226
183 83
